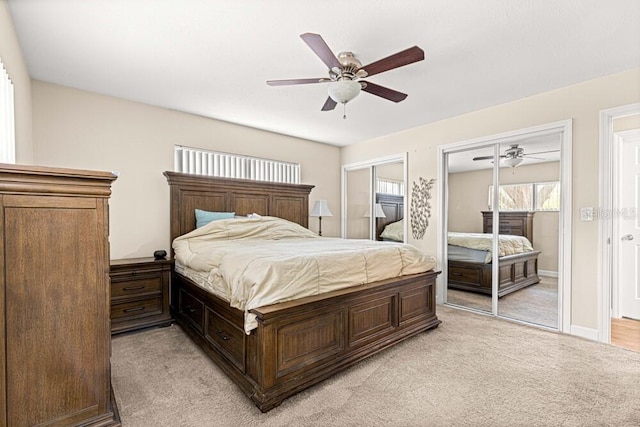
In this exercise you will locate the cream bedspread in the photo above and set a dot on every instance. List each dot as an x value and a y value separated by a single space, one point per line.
256 262
508 245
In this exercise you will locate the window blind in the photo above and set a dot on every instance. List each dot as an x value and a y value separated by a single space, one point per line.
390 186
7 121
225 165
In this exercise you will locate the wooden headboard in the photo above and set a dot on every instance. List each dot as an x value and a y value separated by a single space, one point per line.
190 192
393 208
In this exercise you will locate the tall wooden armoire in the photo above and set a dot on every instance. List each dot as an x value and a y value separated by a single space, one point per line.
55 338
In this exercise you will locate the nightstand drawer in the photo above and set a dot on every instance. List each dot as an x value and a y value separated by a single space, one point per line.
138 286
136 309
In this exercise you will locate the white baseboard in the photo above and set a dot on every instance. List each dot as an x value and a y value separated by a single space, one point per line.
588 333
548 273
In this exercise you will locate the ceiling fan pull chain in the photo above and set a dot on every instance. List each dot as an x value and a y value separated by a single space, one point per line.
344 111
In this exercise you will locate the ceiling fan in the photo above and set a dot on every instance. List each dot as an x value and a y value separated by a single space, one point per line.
345 72
514 155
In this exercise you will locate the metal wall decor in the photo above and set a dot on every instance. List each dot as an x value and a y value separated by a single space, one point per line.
420 207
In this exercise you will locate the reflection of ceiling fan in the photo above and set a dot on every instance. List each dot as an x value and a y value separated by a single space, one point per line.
345 72
514 155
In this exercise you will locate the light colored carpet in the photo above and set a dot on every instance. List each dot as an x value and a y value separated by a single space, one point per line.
473 370
536 304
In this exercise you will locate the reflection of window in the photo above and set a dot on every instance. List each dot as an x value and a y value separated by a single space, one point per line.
390 186
7 125
539 196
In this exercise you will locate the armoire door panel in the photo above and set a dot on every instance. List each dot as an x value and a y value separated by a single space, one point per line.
52 254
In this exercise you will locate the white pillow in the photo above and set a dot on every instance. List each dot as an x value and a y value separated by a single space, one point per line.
394 231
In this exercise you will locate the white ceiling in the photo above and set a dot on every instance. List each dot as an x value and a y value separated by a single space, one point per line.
212 57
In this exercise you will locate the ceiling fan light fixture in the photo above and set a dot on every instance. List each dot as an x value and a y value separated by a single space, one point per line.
513 161
344 91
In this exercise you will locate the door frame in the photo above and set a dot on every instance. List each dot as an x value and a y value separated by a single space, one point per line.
607 224
565 219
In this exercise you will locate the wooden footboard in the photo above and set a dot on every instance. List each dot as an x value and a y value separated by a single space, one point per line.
515 272
300 343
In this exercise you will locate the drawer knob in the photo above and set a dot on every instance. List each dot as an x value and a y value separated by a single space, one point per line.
138 308
133 288
189 309
222 335
453 273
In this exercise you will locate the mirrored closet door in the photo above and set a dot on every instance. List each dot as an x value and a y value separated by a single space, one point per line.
529 208
503 214
374 195
470 174
358 199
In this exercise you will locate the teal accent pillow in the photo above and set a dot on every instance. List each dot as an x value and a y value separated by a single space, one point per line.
205 217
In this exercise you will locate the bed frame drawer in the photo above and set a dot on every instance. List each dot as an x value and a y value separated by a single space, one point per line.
227 337
192 308
465 275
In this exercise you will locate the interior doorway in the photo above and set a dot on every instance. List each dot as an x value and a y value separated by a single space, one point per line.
617 276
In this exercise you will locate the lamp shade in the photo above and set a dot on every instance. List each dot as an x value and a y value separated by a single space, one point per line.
321 208
379 211
513 161
344 91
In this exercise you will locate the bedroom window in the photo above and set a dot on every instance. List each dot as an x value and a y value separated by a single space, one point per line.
7 122
538 196
226 165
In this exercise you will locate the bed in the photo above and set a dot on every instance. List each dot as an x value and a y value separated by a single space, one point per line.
471 268
296 343
390 227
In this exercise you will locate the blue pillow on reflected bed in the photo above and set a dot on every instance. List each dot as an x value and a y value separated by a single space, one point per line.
205 217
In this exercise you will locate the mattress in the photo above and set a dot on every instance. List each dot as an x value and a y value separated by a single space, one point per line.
253 262
459 253
508 245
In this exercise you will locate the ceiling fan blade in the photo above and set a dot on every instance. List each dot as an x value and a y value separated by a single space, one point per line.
384 92
486 158
297 81
320 48
540 152
329 104
535 158
406 57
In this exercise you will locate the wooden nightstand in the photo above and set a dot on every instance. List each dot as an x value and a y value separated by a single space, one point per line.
139 293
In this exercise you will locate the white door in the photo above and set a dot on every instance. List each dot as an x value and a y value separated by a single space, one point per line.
629 228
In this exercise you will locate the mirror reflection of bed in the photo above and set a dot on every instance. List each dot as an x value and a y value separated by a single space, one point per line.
520 288
390 226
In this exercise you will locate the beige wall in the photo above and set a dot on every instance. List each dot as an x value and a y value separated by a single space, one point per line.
582 103
14 63
626 123
77 129
468 197
392 171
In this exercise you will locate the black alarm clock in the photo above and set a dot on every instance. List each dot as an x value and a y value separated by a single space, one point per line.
161 254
